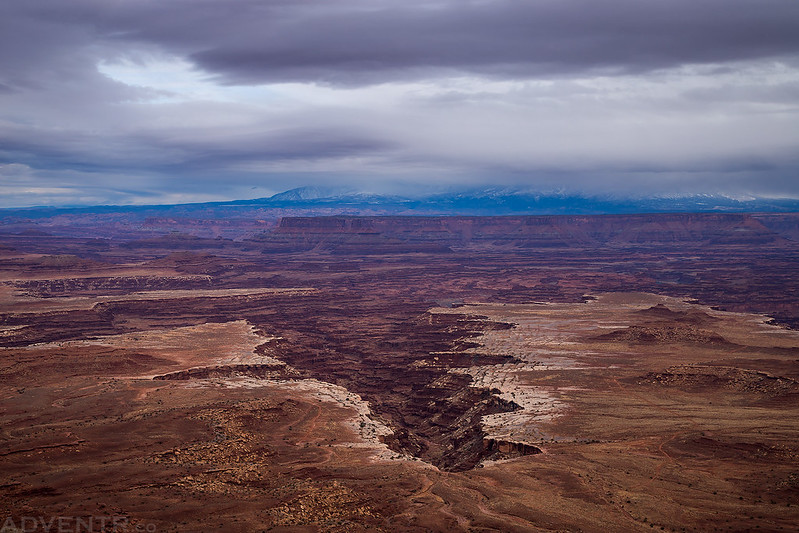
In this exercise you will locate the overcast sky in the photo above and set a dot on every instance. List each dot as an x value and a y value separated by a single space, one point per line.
163 101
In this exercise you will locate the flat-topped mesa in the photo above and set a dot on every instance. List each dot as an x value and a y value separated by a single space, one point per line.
664 333
695 229
326 224
347 235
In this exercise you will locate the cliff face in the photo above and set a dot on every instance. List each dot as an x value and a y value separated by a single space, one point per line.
430 234
365 323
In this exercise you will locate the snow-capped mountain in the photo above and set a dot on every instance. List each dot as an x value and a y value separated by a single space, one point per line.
506 201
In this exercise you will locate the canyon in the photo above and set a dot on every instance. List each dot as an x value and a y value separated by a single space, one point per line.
393 373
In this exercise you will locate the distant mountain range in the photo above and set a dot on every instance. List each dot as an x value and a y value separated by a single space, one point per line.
485 202
504 201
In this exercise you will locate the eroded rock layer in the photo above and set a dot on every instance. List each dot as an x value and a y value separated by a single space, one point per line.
367 373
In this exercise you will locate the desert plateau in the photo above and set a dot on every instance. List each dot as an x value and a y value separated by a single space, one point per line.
411 374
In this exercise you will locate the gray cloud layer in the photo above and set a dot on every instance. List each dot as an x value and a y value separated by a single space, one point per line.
499 38
652 89
367 41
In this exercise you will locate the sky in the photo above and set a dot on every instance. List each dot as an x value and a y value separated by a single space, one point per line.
171 101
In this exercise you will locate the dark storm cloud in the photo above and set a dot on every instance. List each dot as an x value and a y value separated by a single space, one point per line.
353 42
280 146
500 38
167 151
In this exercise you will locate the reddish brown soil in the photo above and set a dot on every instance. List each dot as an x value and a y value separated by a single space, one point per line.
218 442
